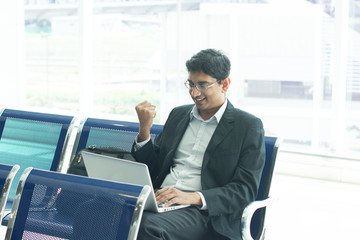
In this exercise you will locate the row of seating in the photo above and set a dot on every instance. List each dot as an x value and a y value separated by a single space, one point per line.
45 202
53 205
50 203
42 140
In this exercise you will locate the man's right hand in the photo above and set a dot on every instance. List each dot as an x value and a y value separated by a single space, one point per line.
146 113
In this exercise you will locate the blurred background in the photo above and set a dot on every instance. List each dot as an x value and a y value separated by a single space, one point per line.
295 64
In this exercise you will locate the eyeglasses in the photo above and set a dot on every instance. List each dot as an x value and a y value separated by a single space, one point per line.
199 87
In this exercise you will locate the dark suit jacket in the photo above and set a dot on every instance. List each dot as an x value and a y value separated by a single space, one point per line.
231 168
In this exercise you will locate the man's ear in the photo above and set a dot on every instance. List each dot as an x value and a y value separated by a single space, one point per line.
225 85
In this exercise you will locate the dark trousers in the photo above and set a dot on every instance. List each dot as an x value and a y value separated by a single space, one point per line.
187 223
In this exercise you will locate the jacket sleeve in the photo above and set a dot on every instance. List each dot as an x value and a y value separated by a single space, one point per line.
148 154
154 153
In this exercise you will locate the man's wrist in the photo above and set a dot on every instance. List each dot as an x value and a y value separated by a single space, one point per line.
139 144
144 134
197 199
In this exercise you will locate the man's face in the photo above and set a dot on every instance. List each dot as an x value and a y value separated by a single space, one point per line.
208 100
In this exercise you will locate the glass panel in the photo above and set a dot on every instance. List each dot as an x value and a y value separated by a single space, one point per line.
52 54
127 56
353 77
352 137
352 126
278 89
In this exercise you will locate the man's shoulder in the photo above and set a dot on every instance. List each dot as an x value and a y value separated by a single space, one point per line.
185 107
179 112
182 109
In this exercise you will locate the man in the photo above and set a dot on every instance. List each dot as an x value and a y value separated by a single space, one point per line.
209 155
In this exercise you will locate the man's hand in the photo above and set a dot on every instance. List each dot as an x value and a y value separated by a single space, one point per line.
170 196
146 114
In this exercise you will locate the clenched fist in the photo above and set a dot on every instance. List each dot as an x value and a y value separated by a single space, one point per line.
146 113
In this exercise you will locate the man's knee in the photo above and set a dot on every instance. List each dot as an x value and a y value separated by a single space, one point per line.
180 224
150 228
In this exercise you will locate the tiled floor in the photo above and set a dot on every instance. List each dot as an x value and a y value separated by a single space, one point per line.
313 209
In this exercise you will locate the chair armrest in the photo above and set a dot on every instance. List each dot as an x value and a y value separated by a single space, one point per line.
6 189
248 214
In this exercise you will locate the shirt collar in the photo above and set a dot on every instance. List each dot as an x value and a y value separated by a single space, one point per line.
218 115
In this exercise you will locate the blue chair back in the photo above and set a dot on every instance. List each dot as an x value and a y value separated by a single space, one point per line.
77 208
109 133
32 139
257 222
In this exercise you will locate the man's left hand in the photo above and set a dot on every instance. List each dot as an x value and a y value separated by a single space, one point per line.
170 196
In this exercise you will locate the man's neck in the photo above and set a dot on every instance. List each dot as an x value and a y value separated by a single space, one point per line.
207 114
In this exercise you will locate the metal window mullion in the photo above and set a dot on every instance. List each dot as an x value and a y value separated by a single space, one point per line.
86 56
339 81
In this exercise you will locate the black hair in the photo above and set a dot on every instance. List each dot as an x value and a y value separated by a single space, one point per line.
212 62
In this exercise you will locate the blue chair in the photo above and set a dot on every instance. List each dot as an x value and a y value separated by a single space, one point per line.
32 139
7 174
253 218
77 208
108 133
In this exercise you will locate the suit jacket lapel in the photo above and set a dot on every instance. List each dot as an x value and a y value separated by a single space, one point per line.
224 127
179 129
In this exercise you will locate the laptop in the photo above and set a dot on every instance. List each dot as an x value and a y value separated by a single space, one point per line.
126 171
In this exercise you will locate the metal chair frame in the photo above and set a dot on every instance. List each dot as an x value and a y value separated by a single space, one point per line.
6 179
253 218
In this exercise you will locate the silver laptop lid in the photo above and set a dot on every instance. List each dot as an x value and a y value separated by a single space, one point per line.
121 170
116 169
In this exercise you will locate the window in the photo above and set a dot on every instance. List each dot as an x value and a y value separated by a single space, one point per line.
127 56
295 64
52 54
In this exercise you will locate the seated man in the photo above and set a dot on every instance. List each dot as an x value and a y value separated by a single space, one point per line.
209 155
